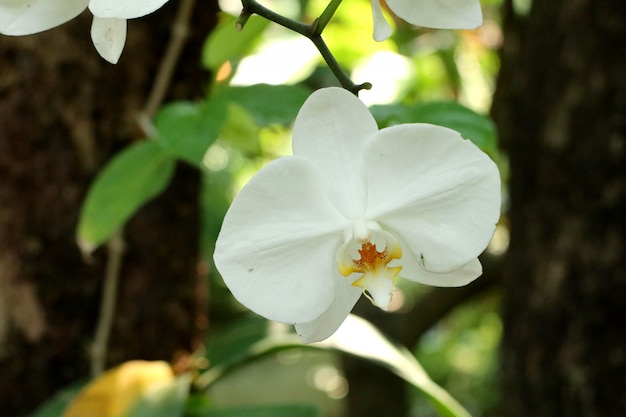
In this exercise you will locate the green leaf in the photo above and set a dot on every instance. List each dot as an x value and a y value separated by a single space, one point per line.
163 401
215 199
269 104
251 342
235 342
390 114
240 131
226 43
197 403
134 176
188 129
356 337
471 125
282 410
359 338
55 406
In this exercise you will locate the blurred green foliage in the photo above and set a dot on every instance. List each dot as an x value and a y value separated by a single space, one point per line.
461 354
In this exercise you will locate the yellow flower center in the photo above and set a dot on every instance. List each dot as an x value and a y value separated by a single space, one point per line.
378 278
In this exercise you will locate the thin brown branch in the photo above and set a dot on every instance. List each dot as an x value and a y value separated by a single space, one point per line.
115 252
180 33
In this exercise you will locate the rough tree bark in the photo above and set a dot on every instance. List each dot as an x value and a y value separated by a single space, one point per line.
561 110
63 114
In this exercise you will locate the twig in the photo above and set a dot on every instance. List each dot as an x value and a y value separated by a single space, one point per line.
312 32
115 246
326 15
115 251
180 32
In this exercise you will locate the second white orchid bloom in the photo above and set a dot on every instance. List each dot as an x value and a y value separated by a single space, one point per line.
352 210
108 30
439 14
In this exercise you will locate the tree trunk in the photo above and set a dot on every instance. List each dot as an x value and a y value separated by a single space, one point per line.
561 110
63 113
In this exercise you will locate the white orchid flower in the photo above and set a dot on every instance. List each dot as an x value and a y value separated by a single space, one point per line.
439 14
351 210
108 30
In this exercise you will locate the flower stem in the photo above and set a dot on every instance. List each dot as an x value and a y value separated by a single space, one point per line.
165 72
115 250
312 32
251 7
326 15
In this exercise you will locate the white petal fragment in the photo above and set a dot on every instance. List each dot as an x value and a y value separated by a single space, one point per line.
440 14
414 268
437 191
109 37
332 129
124 9
382 29
276 250
25 17
324 326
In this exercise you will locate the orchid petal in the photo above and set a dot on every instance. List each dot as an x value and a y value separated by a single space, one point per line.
382 29
437 191
346 297
441 14
332 130
124 9
109 36
415 268
276 250
25 17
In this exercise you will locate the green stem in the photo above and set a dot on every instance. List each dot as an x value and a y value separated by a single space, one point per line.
251 7
312 32
334 66
326 15
99 349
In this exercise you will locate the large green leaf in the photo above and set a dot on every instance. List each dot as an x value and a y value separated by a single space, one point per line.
250 341
164 401
188 129
234 342
282 410
359 338
471 125
137 174
226 43
391 114
356 337
240 130
55 406
269 104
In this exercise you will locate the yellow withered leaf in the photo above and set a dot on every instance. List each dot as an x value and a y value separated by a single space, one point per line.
116 390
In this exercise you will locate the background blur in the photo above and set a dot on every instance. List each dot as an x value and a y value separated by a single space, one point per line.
543 89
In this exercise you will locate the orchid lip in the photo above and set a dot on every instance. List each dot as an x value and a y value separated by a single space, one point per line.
368 250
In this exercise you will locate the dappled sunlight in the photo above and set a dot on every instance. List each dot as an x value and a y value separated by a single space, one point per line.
280 61
290 377
328 379
388 72
216 157
500 241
